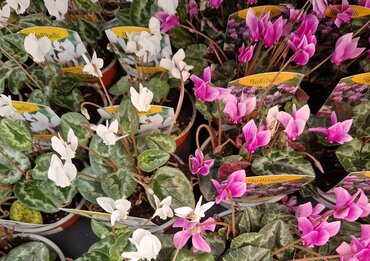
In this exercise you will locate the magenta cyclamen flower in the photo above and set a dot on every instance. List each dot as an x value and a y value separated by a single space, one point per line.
237 108
235 186
317 234
346 207
245 54
294 124
168 21
312 213
215 3
365 3
204 90
303 47
273 32
200 166
255 137
308 26
338 132
194 230
346 49
343 13
319 7
358 249
256 25
193 10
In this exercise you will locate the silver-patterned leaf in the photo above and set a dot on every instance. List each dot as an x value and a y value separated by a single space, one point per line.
248 253
354 155
216 242
34 250
40 171
119 184
186 255
151 160
16 134
250 239
161 142
89 188
78 123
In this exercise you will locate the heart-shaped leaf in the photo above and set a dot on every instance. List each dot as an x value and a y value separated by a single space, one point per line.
354 155
151 160
161 142
119 184
16 134
78 123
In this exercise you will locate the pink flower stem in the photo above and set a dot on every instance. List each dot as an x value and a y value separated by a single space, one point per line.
233 230
88 176
219 135
192 30
277 251
362 28
268 88
178 249
275 138
179 104
105 90
308 250
210 132
254 61
250 157
318 66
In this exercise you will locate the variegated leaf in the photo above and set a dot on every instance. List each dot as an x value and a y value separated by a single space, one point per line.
78 123
119 184
40 171
186 255
151 160
16 134
354 155
89 188
248 253
161 141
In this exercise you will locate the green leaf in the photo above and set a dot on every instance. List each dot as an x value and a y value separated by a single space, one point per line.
5 190
119 184
354 155
278 235
248 253
29 194
34 250
71 100
161 142
13 46
21 213
282 162
16 134
180 38
90 189
159 88
186 255
216 242
151 160
121 245
121 87
203 108
196 51
40 171
361 120
89 31
115 153
167 247
103 246
32 20
172 182
250 220
273 215
16 79
78 123
249 239
129 119
59 196
85 5
141 11
9 174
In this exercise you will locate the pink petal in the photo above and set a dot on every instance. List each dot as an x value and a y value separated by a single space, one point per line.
354 213
200 244
250 131
304 225
263 138
332 228
304 210
341 197
207 74
196 80
319 129
217 185
180 239
303 113
238 189
333 118
283 118
211 226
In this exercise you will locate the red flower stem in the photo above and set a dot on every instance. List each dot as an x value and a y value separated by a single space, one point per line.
233 230
219 135
210 132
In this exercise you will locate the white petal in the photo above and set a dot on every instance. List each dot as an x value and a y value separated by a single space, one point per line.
183 212
106 203
56 172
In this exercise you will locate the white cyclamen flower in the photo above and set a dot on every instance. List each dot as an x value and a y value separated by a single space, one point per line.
177 67
197 213
4 15
147 246
169 6
163 210
272 122
6 106
117 208
94 66
66 149
108 133
37 48
19 6
61 174
142 99
57 8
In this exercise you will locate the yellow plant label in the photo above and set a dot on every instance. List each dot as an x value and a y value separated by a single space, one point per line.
75 70
22 107
274 10
123 30
264 180
150 70
367 174
53 33
87 213
360 11
153 109
266 79
363 78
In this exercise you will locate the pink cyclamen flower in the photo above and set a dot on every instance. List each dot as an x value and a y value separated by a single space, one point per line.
273 32
199 165
193 230
365 3
214 4
246 54
346 49
204 90
338 132
193 10
294 124
317 235
251 2
312 213
346 207
290 202
168 21
255 138
308 26
256 25
343 13
303 47
237 108
358 249
319 7
235 185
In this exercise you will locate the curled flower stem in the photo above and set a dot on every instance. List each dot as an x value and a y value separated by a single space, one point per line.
210 132
179 104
